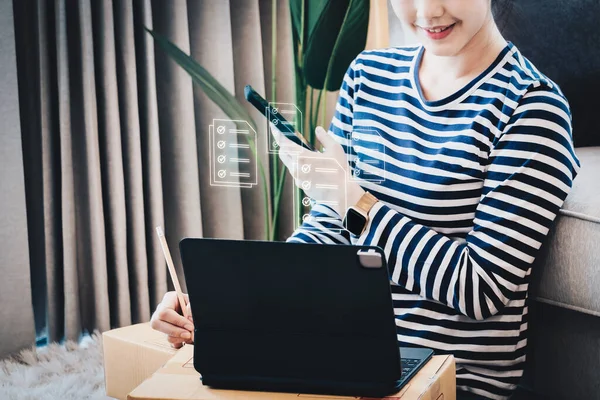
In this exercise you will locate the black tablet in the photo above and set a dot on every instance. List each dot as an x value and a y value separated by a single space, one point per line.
290 317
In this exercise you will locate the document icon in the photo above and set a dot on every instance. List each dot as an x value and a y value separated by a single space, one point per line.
328 179
369 162
232 154
291 114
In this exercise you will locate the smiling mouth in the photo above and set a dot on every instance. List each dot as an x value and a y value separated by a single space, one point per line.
438 29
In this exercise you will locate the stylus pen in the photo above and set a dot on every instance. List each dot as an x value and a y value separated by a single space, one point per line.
167 253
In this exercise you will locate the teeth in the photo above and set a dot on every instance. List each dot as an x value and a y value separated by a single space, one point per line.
438 30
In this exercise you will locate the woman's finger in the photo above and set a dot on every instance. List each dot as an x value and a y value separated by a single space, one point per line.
174 318
172 330
191 340
280 138
169 301
286 144
175 342
326 139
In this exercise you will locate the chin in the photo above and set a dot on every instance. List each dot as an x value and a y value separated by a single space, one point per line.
440 49
448 47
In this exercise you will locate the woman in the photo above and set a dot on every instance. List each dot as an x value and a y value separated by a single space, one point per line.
460 155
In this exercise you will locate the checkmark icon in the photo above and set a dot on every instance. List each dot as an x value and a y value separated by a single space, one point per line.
306 185
221 130
221 159
222 173
221 144
306 168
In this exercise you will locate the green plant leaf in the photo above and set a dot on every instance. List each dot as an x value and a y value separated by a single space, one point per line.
213 89
313 10
344 22
296 14
224 100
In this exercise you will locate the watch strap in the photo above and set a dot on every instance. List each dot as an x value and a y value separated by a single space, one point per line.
366 202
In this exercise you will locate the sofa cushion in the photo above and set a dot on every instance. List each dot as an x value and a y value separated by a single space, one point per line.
567 273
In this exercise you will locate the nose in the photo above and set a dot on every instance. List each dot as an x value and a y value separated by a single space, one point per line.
428 11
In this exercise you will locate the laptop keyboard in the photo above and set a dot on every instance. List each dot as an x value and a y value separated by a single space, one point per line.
408 365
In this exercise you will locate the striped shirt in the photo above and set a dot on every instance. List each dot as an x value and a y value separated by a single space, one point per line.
468 189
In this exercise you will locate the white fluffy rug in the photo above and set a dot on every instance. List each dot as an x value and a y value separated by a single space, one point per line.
69 371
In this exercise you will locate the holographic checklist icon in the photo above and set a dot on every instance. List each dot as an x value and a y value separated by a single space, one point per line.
291 114
232 156
325 180
369 155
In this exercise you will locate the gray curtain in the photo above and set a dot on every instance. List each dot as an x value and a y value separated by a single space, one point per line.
16 315
115 140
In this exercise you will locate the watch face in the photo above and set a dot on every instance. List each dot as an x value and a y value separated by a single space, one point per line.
354 222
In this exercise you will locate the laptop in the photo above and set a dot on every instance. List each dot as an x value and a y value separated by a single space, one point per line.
292 317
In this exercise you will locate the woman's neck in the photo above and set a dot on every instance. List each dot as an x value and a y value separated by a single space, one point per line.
470 61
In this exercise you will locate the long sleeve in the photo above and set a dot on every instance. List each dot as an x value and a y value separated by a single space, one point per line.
470 186
325 225
529 174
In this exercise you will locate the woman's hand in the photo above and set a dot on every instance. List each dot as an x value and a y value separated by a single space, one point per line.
168 319
322 175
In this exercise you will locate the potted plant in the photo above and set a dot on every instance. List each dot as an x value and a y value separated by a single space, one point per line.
327 36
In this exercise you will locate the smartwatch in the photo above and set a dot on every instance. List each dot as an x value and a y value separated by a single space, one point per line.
357 216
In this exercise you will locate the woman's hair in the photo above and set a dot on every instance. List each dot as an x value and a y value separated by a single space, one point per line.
501 10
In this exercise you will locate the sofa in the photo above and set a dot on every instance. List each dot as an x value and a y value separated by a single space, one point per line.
564 339
562 38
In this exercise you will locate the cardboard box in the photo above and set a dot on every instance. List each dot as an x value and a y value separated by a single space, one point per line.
131 355
178 380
